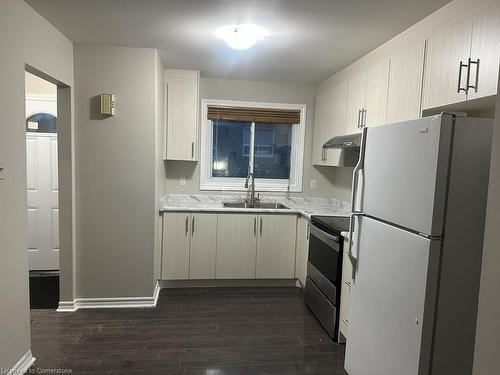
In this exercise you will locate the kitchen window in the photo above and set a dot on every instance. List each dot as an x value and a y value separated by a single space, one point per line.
239 138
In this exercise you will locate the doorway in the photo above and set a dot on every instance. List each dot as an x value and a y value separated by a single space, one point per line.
42 191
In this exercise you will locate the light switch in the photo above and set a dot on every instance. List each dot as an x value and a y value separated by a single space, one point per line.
313 184
183 181
2 170
107 104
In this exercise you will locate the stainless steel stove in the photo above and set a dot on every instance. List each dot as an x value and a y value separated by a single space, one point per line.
324 270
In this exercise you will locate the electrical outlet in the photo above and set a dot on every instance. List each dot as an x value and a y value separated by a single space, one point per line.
183 181
313 184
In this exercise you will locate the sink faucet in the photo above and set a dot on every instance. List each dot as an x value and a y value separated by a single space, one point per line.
253 198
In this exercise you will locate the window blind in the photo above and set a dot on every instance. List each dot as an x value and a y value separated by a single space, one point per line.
275 116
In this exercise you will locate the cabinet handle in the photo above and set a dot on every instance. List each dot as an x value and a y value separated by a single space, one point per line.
261 227
363 118
192 150
308 232
359 118
187 226
255 227
460 67
192 226
469 86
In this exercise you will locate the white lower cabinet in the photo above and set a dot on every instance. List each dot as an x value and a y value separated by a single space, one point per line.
175 254
203 247
189 246
276 247
302 250
236 246
228 246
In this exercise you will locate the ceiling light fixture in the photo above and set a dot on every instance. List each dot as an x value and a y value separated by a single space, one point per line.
241 36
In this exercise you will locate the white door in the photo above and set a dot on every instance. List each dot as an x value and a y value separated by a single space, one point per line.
485 48
276 247
355 103
447 47
391 313
377 88
405 173
43 202
236 246
175 254
405 83
203 251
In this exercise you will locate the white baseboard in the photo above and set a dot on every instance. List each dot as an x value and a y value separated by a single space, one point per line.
23 364
109 303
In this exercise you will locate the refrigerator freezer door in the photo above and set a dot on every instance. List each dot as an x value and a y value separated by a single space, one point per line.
391 302
406 172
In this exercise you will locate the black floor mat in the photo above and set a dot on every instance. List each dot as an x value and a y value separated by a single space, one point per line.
44 292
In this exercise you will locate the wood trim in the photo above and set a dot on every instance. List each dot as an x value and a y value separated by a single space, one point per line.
252 114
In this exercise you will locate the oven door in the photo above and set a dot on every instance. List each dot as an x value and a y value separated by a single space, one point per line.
325 258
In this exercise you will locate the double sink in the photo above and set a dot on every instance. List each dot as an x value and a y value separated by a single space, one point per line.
256 205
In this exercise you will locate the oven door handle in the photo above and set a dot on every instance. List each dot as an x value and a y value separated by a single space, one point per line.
329 239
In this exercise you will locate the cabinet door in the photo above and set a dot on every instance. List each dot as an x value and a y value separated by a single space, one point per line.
447 47
203 246
302 250
486 48
321 124
236 246
377 87
329 121
175 254
182 114
405 83
276 246
355 102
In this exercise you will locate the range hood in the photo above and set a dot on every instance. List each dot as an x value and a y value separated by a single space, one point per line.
346 142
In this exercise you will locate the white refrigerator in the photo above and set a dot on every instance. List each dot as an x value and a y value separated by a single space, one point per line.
419 203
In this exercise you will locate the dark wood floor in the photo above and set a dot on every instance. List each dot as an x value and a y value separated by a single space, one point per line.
210 331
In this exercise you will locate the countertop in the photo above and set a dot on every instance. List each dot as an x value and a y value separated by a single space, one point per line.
304 206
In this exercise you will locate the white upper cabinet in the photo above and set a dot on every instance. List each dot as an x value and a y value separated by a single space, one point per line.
485 48
355 103
276 246
446 64
463 58
405 83
377 83
182 101
329 121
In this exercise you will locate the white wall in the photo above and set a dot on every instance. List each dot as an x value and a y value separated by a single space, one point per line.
487 349
115 172
331 182
25 37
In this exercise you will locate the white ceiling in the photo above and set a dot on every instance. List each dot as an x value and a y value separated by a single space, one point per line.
310 39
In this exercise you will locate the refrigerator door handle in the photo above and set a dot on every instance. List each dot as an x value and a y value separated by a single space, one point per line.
353 258
357 168
355 172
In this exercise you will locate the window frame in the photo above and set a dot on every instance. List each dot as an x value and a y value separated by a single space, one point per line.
293 184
